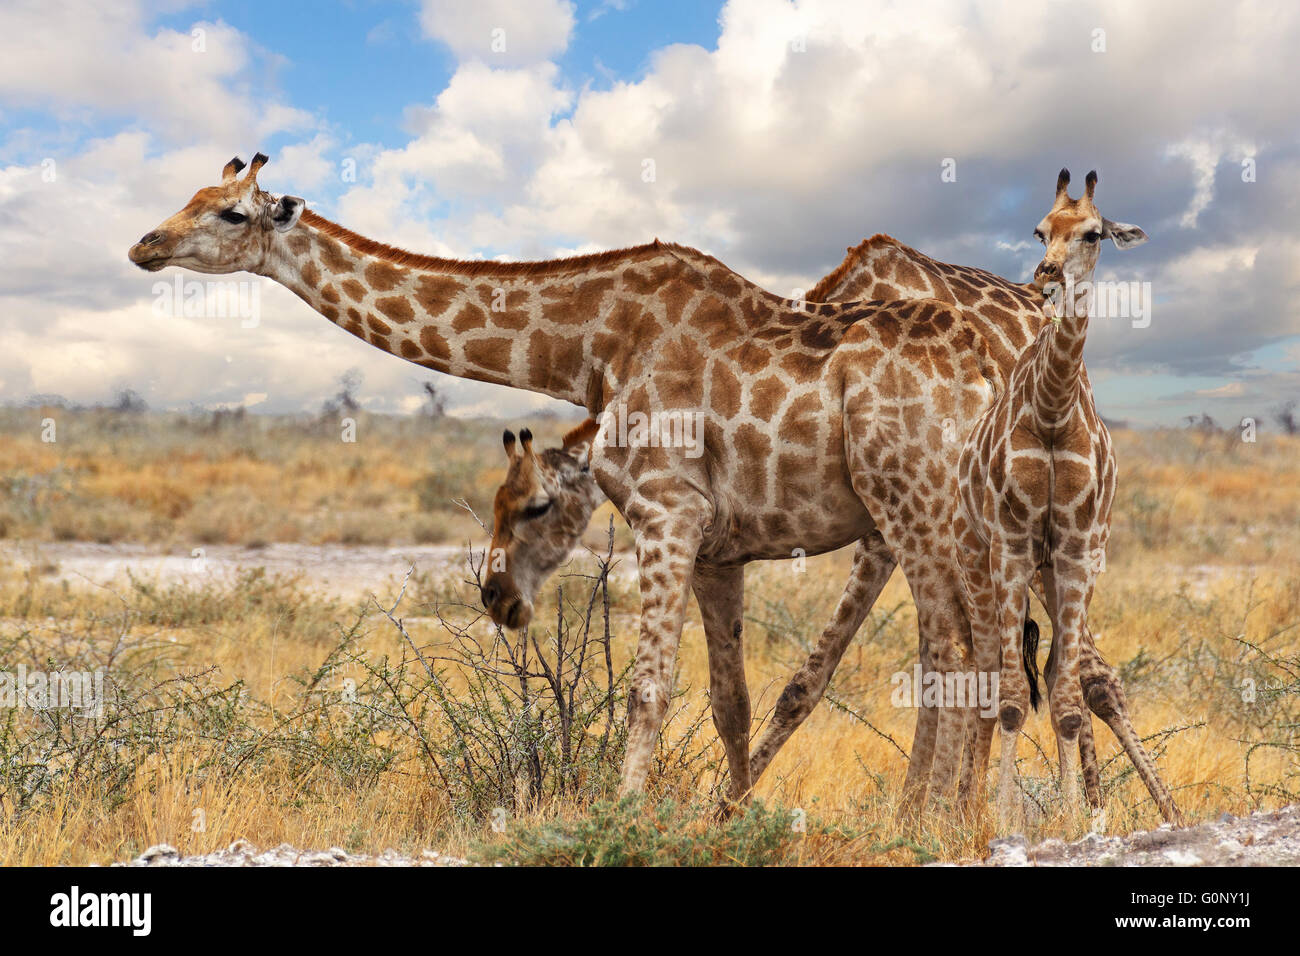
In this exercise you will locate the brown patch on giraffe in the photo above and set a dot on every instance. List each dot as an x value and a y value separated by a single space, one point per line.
801 366
384 276
576 302
492 355
409 349
725 282
680 385
396 308
329 294
752 445
299 243
310 274
330 312
354 315
675 294
434 344
333 257
765 397
383 328
908 274
353 289
713 319
435 293
749 357
654 277
799 425
469 317
724 391
563 359
792 487
755 312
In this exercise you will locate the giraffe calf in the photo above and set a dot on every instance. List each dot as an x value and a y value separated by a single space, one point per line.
1037 478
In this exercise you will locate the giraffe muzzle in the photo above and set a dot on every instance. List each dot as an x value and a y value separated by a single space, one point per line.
146 253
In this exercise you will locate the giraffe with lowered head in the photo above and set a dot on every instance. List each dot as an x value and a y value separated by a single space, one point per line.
877 268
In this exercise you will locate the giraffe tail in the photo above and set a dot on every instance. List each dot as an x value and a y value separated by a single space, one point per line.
1029 656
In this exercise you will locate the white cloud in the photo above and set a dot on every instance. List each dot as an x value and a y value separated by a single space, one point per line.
505 32
811 125
75 57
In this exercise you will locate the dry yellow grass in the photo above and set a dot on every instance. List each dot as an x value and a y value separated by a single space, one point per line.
1205 557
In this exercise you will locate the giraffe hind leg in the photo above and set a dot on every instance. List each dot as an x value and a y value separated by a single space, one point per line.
872 567
720 594
1105 696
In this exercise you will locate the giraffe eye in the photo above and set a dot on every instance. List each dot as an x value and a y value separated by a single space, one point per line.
1091 237
229 215
536 511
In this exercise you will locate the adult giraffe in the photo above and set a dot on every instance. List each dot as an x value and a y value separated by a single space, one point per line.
821 424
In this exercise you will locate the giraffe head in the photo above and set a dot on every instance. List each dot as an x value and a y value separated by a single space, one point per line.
1072 232
223 229
538 515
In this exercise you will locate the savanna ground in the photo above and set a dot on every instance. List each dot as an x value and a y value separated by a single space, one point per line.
249 700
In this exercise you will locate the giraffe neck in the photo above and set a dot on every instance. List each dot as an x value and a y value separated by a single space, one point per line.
535 326
1058 363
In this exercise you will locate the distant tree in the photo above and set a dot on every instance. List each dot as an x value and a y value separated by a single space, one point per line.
1201 422
435 403
48 400
345 399
1285 416
129 401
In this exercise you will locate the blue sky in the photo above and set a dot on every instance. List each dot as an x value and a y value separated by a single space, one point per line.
783 131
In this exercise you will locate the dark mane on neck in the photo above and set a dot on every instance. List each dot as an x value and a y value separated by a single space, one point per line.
475 267
822 289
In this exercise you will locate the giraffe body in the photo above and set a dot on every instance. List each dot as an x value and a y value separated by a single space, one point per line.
819 423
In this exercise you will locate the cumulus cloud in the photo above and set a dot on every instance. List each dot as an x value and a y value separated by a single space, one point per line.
70 58
508 32
810 125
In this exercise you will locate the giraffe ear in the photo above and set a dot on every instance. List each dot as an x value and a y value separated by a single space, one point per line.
285 212
577 443
1123 234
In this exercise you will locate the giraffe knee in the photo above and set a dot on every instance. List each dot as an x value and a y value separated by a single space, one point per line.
1011 717
792 702
1068 725
1103 698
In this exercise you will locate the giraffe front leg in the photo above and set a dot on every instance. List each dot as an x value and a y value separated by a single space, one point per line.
720 593
1087 741
872 566
666 561
1010 569
1067 582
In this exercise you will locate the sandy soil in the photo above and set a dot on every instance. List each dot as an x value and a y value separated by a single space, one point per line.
333 569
